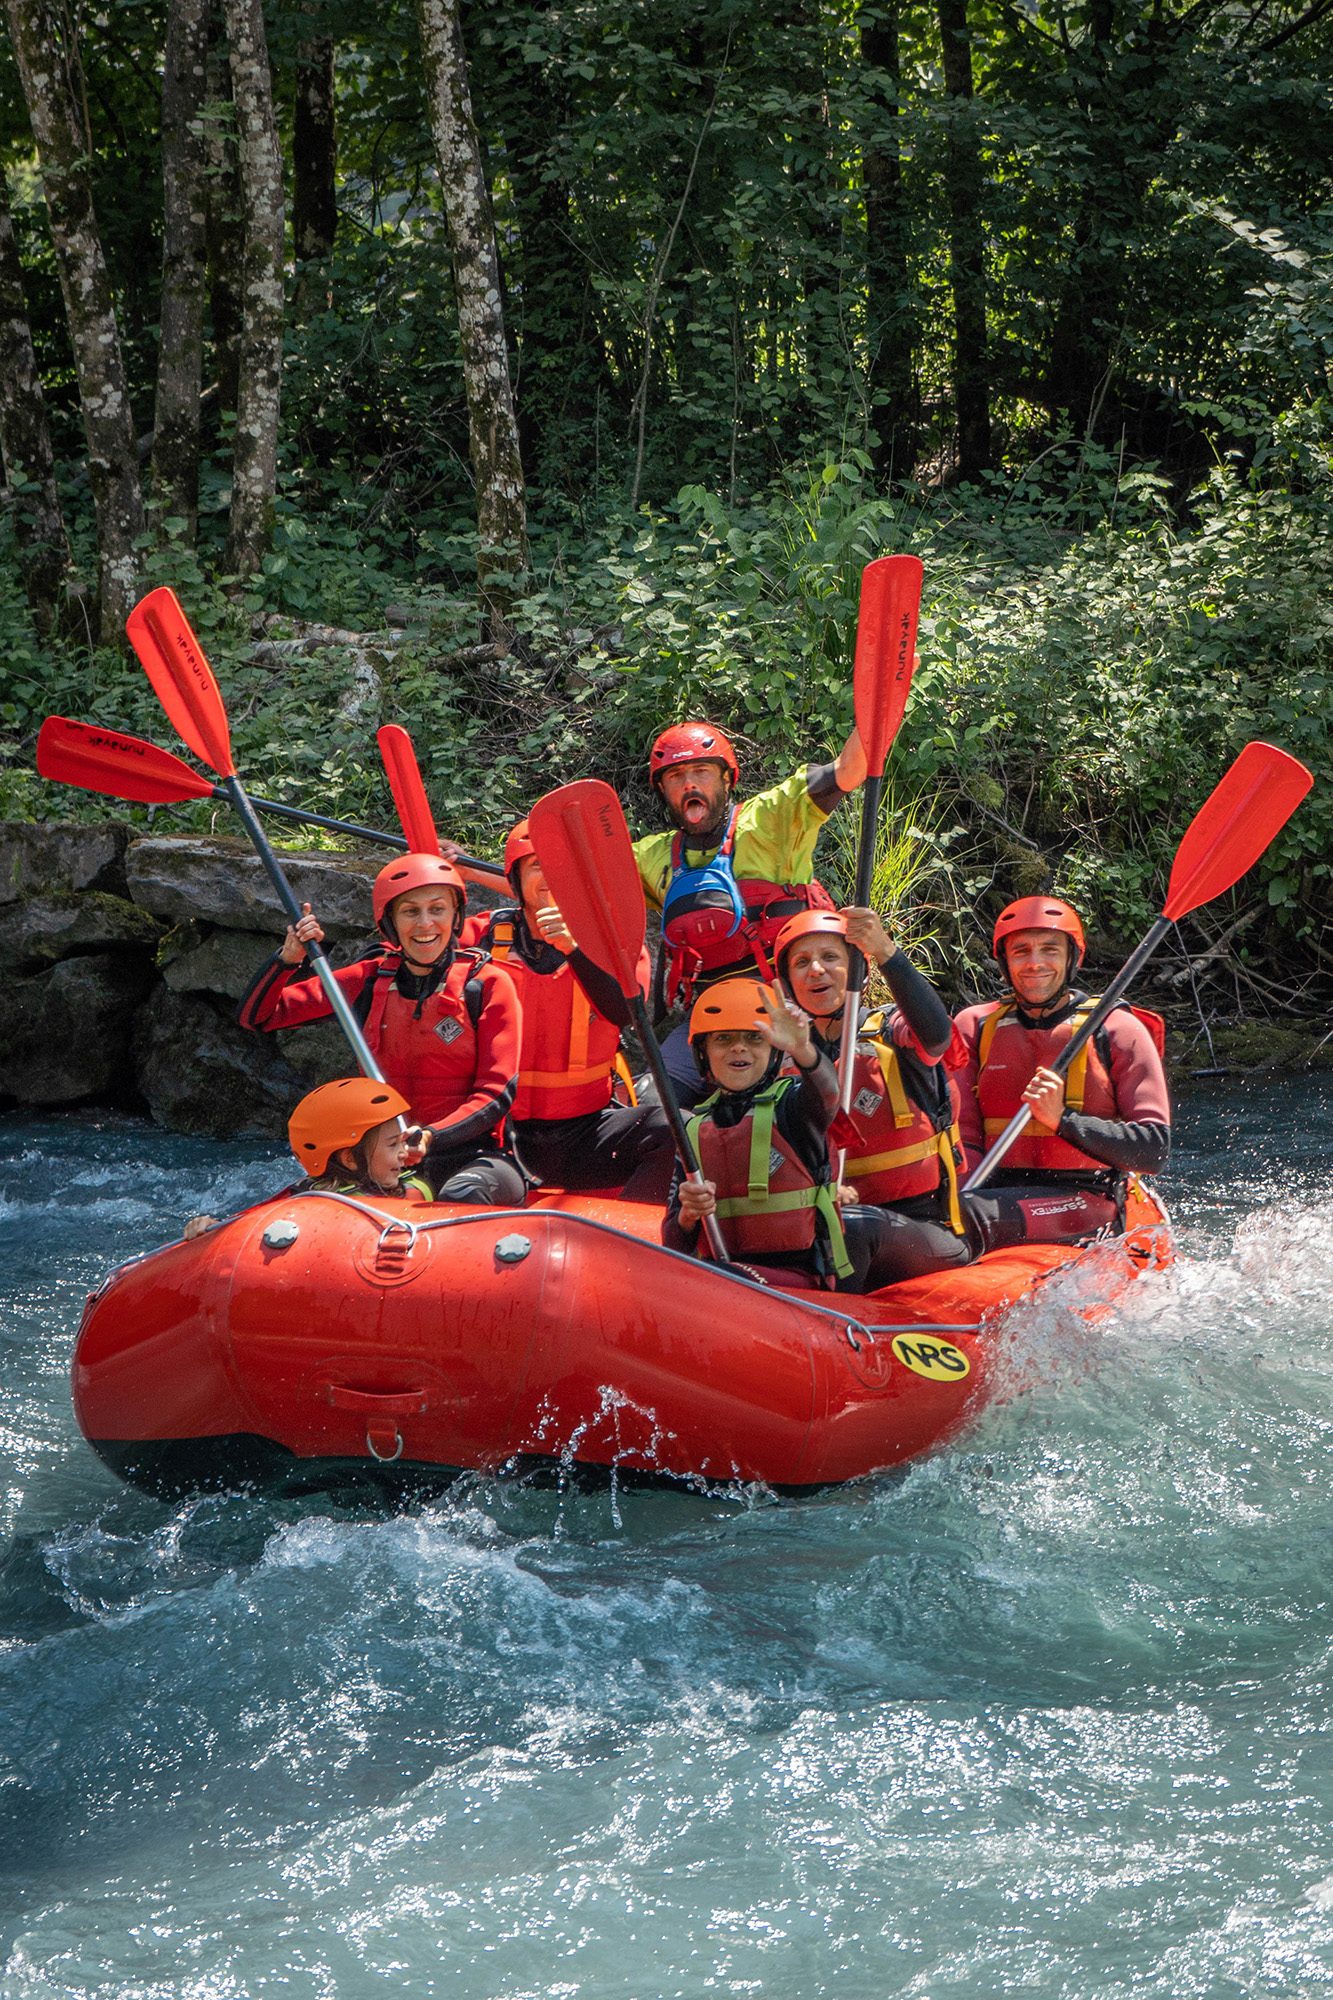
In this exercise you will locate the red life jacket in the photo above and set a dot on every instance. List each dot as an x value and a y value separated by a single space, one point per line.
768 1202
903 1149
570 1052
732 927
432 1060
1008 1055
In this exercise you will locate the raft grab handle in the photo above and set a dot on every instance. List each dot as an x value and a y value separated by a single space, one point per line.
377 1402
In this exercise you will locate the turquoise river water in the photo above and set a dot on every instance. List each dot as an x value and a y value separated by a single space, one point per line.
1046 1714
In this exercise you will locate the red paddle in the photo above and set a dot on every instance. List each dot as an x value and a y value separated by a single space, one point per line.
409 793
128 767
183 680
885 655
584 848
1245 811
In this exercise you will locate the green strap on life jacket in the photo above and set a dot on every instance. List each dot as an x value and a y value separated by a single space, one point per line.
758 1200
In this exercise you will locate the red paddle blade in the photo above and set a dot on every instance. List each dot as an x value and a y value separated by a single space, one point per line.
409 794
1246 810
584 848
105 760
885 651
182 679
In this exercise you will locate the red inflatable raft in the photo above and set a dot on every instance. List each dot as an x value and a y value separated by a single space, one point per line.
314 1335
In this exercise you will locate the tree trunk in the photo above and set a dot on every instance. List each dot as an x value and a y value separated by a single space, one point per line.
967 250
314 171
224 233
254 472
25 443
52 84
502 531
184 180
891 319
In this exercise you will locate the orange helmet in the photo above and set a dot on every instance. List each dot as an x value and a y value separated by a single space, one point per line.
517 848
732 1003
805 924
413 871
340 1114
1039 913
691 743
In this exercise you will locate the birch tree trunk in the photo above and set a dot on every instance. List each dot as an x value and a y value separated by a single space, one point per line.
497 469
180 362
254 471
967 252
25 442
53 87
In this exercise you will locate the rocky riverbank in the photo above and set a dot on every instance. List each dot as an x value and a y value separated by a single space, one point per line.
127 956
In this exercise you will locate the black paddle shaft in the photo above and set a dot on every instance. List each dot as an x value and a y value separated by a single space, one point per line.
337 999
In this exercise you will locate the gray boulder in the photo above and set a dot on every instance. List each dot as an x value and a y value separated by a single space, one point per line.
199 1071
41 860
65 1034
38 930
218 881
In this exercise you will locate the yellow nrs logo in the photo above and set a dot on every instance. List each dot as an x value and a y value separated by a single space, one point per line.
937 1360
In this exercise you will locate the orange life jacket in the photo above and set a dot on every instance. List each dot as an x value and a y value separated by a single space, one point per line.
768 1202
904 1149
1008 1055
571 1053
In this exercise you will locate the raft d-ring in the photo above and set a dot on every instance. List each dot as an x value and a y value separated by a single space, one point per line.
392 1225
385 1457
851 1333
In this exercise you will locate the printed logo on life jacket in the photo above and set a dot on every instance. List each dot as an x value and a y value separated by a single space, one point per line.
449 1030
867 1102
937 1360
775 1160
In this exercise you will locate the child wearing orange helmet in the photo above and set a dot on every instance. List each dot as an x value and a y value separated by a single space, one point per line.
351 1136
760 1136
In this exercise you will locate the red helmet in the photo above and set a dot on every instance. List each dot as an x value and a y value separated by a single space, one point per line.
1039 913
413 871
692 743
804 924
340 1114
517 848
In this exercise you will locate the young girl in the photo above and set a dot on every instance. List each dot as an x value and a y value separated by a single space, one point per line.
760 1137
351 1138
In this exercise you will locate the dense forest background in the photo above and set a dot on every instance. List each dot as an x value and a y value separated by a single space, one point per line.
535 374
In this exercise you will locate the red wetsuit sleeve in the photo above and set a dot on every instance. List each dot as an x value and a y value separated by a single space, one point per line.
967 1030
1139 1139
499 1037
281 998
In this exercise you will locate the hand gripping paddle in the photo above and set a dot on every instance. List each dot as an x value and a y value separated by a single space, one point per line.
1243 813
183 681
584 848
885 655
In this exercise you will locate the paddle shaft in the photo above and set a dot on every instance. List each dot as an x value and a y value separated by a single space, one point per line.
685 1152
337 999
347 826
1128 972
